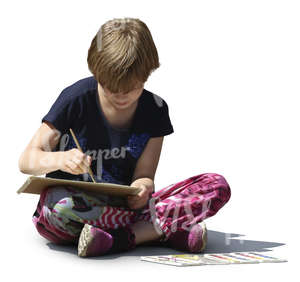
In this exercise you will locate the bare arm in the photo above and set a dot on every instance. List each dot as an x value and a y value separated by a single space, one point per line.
145 172
37 162
38 158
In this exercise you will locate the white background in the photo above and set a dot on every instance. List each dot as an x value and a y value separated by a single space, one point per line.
230 75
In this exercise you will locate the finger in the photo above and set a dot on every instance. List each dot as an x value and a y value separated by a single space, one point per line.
82 159
71 169
79 154
83 164
135 197
72 165
77 165
87 161
143 193
132 201
144 188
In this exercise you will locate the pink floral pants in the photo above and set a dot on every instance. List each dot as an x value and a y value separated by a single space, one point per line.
62 211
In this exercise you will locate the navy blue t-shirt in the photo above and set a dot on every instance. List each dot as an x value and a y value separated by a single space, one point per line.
114 152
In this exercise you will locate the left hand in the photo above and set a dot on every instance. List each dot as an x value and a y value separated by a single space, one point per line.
140 200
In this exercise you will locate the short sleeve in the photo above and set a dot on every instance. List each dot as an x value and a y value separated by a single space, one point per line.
62 112
162 124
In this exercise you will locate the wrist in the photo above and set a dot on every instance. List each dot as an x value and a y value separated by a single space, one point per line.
59 157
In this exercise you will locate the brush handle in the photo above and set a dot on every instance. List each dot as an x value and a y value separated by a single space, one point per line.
79 148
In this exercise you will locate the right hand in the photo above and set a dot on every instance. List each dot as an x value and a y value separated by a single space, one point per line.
75 162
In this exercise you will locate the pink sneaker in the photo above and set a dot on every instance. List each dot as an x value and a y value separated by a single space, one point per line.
193 241
94 241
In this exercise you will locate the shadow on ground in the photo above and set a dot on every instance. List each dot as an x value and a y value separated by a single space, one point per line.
217 242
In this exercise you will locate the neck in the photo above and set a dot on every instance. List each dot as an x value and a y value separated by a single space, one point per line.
119 118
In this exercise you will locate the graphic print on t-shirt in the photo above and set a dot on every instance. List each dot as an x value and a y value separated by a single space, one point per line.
135 145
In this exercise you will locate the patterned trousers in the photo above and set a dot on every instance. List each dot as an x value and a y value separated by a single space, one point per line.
62 211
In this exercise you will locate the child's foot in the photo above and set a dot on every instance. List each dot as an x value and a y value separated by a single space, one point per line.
193 241
94 241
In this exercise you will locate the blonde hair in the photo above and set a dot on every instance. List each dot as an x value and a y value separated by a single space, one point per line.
122 54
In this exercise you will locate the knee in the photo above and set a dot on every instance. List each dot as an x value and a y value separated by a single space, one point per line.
224 191
62 207
216 182
58 201
55 195
61 214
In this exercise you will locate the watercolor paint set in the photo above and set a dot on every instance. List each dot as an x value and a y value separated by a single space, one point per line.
212 259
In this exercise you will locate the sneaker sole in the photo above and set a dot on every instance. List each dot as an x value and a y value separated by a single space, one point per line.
85 239
204 235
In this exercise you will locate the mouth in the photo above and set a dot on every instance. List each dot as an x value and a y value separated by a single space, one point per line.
122 104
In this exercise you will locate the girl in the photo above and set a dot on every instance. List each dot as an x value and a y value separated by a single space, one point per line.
120 127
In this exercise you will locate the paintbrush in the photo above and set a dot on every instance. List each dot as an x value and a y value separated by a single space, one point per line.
79 148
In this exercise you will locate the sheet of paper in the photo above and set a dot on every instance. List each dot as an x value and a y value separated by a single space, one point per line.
212 259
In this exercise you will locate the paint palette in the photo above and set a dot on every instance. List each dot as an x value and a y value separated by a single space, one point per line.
212 259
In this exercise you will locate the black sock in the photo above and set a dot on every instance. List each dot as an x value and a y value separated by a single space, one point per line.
124 239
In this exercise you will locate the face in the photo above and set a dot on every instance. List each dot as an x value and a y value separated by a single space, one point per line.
123 100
